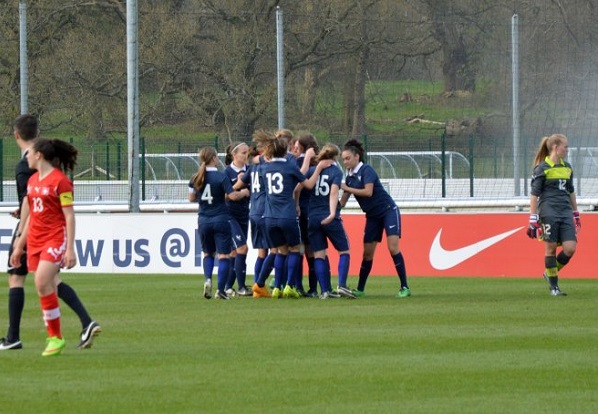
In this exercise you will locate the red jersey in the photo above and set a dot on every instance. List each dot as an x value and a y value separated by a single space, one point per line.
46 199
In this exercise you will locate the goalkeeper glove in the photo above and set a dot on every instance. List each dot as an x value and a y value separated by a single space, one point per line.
534 230
577 221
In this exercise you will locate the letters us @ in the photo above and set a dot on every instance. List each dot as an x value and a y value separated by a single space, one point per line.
172 248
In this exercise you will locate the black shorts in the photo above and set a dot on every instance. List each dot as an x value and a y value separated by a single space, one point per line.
558 229
22 270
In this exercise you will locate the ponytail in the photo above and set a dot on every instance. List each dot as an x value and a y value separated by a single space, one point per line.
546 145
206 155
59 153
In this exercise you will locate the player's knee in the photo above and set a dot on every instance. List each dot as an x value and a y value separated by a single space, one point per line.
569 250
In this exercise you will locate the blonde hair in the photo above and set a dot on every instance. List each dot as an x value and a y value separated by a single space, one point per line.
231 150
546 146
275 148
206 154
284 133
329 152
261 137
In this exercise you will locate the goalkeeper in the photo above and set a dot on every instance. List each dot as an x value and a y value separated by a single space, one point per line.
554 218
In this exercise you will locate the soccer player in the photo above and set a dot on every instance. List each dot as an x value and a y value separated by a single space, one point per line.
253 179
49 232
236 162
25 131
303 143
554 217
210 188
281 179
325 223
381 214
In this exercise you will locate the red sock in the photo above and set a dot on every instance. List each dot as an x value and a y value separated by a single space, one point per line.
51 314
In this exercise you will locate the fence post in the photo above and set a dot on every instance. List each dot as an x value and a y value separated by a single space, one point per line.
107 161
142 168
71 171
471 165
118 161
525 169
366 145
578 167
178 160
495 158
2 170
216 143
443 163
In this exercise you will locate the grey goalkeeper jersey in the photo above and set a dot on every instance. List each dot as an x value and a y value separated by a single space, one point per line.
552 183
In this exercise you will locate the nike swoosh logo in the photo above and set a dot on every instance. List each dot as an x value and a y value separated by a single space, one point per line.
442 259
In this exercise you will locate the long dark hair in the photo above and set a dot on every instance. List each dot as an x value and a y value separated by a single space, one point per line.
356 147
59 153
307 140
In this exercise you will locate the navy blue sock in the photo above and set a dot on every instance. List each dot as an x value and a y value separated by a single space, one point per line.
16 303
364 273
293 263
400 267
328 273
343 269
70 297
208 266
311 275
266 269
230 278
241 269
279 268
259 262
320 270
223 271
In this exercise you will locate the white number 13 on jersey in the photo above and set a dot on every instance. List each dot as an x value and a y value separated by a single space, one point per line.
38 204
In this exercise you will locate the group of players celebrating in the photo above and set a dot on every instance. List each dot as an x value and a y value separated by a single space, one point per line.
289 191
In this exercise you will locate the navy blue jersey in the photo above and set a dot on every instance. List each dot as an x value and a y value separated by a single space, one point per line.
281 177
239 210
255 182
319 202
212 197
380 201
305 194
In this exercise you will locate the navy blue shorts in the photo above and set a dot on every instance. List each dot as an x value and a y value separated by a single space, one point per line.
389 222
239 232
215 238
303 224
259 239
282 232
319 235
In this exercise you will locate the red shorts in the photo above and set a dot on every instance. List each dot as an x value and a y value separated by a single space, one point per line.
52 251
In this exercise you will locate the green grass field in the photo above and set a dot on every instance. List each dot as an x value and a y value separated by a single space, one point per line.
458 345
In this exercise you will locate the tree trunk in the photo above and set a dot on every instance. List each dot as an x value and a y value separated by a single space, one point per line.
358 124
310 84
